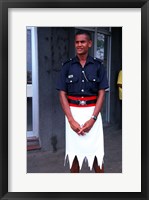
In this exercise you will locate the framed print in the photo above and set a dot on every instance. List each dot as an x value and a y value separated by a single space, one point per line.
15 181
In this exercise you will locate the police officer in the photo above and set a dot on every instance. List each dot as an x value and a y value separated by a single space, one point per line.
81 86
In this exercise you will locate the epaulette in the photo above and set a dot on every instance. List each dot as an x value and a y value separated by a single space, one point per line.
67 61
98 60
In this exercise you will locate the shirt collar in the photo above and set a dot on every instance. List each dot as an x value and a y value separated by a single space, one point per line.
89 59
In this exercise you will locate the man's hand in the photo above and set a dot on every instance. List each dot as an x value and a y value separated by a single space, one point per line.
120 85
75 126
87 127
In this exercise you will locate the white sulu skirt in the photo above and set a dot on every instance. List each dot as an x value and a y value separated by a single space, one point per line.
87 146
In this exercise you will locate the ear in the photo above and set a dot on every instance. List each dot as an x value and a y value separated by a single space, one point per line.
90 43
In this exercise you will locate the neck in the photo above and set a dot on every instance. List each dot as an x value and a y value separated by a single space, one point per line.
82 57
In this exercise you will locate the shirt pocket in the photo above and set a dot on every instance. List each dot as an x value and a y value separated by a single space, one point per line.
93 83
72 84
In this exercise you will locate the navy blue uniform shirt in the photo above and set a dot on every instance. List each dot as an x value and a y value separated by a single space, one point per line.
86 81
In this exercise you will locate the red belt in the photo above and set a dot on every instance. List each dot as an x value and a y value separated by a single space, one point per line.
82 101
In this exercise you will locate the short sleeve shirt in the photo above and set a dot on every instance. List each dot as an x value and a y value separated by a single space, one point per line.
76 80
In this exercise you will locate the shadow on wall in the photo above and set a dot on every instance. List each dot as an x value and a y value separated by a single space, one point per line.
54 143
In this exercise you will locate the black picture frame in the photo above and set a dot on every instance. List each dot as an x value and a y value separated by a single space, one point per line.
4 6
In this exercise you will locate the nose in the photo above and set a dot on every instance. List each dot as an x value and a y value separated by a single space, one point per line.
79 43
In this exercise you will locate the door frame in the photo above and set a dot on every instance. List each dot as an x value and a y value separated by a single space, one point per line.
33 89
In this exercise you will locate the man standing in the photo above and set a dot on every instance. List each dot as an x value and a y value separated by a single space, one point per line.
81 86
119 83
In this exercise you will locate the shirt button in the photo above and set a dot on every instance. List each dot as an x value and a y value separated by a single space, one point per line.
71 81
82 90
82 80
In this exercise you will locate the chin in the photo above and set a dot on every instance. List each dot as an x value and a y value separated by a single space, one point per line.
80 53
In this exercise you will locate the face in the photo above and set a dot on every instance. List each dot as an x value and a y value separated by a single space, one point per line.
82 44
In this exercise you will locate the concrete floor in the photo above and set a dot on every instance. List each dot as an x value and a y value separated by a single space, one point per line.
49 162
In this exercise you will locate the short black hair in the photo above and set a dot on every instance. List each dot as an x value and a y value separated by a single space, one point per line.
80 32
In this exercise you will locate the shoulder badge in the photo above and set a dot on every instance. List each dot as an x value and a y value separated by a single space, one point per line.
98 60
67 61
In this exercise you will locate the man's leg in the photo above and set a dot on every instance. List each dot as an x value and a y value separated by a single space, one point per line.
75 166
96 167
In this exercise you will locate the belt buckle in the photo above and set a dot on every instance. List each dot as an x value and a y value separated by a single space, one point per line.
82 102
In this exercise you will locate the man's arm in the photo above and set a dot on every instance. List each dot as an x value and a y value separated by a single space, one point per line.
65 106
88 125
119 80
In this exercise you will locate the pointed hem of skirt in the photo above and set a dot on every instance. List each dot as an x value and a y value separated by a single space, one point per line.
90 160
